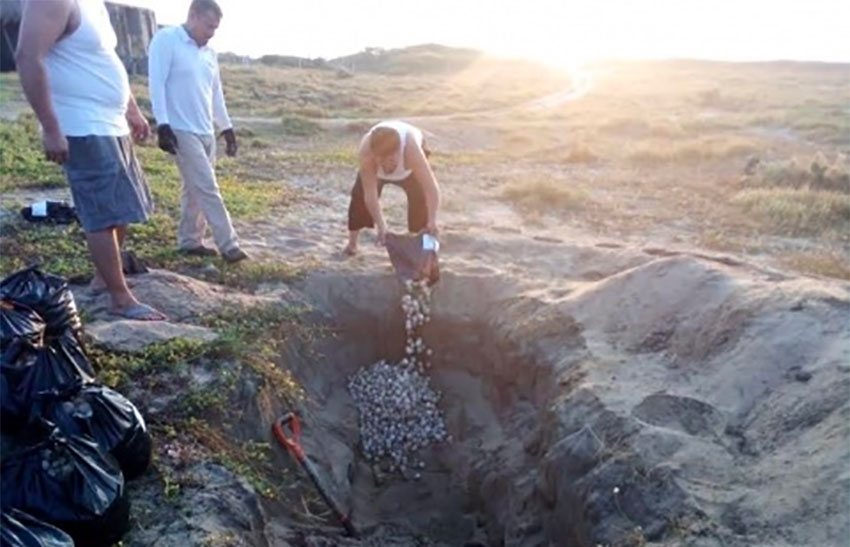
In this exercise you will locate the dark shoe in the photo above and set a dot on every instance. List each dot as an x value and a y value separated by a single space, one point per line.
234 255
199 251
131 264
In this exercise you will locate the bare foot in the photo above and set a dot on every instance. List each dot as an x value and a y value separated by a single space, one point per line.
350 249
140 312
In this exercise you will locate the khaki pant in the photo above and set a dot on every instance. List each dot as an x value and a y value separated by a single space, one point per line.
200 201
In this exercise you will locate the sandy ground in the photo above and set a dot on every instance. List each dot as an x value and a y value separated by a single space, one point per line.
599 386
598 394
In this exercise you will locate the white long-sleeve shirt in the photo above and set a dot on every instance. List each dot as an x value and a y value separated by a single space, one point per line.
184 82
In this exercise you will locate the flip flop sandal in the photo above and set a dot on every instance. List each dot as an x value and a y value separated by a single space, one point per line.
140 312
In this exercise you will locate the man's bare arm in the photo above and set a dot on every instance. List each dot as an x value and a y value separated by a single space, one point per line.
42 25
139 126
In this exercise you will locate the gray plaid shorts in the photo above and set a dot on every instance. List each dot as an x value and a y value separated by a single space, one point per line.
107 183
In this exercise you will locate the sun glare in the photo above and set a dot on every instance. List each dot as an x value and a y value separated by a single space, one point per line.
563 34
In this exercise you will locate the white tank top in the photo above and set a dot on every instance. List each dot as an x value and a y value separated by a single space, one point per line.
403 129
88 83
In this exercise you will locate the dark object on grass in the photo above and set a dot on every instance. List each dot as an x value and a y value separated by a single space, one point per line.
67 482
131 264
234 255
200 250
50 212
18 529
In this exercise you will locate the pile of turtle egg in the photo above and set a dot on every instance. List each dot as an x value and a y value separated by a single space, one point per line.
397 407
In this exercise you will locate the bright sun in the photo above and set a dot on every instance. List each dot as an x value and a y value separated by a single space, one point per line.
558 32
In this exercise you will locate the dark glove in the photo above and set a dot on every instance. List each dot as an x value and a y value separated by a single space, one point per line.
166 138
230 139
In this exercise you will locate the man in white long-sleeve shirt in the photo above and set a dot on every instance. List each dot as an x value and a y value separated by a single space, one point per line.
187 100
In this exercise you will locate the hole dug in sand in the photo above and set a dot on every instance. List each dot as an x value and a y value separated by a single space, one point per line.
627 410
507 475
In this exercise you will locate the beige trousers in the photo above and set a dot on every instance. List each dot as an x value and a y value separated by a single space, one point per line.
201 203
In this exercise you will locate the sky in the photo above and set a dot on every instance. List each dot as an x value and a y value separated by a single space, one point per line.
562 33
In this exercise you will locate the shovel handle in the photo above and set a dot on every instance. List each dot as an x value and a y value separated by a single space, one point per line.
293 446
293 443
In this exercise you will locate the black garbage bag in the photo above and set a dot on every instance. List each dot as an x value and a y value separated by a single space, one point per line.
18 322
57 365
60 363
11 413
47 294
18 529
50 212
67 482
18 359
414 257
104 415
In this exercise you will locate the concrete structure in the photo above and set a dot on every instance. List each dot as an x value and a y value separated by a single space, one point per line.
134 27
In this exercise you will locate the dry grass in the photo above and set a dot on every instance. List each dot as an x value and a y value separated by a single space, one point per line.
670 151
259 90
661 144
544 196
799 212
299 126
816 173
826 263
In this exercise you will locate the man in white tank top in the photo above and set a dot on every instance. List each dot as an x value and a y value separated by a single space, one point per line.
392 152
79 90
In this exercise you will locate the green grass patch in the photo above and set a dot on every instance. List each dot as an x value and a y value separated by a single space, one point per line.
115 369
61 250
202 417
22 165
9 86
251 460
22 162
244 196
249 337
544 196
798 212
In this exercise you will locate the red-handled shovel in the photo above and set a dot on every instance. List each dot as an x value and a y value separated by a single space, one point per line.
293 446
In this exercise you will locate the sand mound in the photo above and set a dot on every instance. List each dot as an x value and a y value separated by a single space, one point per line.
680 398
672 400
